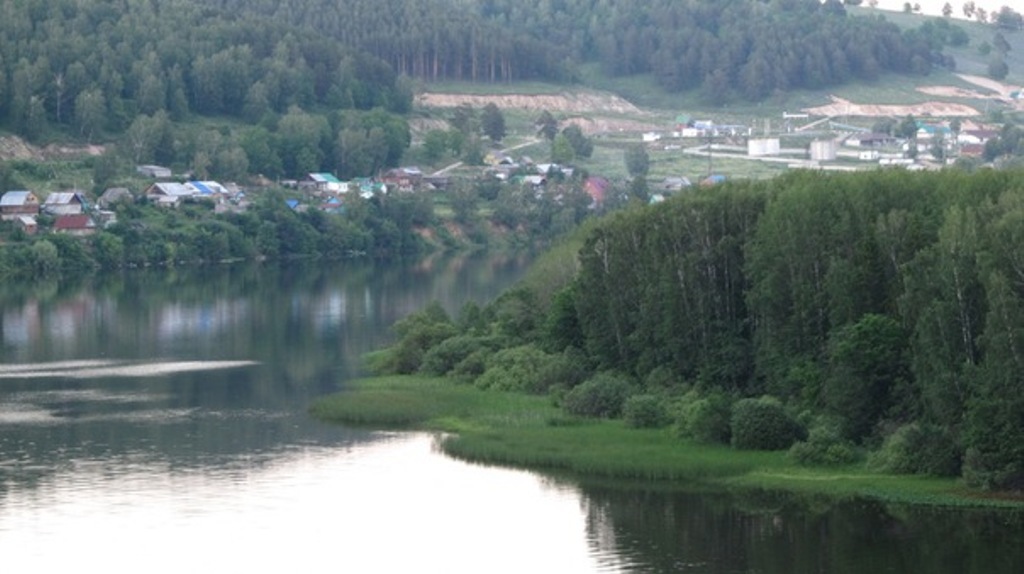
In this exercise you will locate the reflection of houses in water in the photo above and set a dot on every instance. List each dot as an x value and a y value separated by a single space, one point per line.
20 325
179 320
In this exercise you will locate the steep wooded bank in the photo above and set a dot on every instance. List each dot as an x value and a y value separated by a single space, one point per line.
878 313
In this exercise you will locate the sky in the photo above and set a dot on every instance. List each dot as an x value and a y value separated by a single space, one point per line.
934 7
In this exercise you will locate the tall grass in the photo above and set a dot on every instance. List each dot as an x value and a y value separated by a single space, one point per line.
529 431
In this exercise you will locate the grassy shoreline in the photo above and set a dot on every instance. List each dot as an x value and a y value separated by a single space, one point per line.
528 431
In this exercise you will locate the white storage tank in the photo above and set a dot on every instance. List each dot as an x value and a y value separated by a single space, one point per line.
763 147
823 150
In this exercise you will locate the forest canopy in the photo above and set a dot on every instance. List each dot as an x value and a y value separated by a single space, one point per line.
91 68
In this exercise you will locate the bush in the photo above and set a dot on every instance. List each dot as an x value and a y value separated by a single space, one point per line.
515 369
763 424
918 449
707 419
601 396
645 411
824 447
445 356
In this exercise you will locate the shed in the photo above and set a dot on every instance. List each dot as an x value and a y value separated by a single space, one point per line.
77 224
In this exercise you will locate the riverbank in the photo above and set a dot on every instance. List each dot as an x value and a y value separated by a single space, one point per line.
529 431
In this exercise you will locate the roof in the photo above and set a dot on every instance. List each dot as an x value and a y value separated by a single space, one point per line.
79 221
63 198
324 178
207 187
172 189
14 198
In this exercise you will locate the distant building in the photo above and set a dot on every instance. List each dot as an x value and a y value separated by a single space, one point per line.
760 147
14 204
78 224
64 203
114 195
154 171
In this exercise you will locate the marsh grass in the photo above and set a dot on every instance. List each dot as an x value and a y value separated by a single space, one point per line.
528 431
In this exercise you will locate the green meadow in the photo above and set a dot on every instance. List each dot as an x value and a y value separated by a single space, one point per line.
531 432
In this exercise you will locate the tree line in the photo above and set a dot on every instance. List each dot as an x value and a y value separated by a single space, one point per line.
876 315
92 68
730 48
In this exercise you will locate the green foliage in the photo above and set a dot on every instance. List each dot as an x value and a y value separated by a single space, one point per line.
706 419
601 396
918 449
825 446
417 334
645 411
869 361
492 122
763 424
452 352
518 369
638 162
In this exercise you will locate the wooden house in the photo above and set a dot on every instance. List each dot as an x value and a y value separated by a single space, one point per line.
64 203
14 204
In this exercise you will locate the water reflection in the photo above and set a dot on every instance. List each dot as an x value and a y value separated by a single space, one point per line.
770 532
388 505
157 421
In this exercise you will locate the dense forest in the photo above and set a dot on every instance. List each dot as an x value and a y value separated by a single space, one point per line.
136 71
743 48
96 68
877 313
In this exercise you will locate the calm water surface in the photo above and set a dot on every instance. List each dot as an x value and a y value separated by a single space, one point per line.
156 422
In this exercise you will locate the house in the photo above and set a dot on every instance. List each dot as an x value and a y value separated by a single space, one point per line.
322 182
209 189
597 188
871 140
114 195
64 203
14 204
976 136
169 194
154 171
105 218
27 223
77 224
671 184
402 178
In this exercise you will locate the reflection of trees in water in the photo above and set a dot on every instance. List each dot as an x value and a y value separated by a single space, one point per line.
305 323
664 531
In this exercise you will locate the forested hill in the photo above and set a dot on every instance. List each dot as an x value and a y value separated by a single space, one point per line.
91 67
741 48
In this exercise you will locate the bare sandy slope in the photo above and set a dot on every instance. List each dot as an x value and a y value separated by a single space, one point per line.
562 102
841 107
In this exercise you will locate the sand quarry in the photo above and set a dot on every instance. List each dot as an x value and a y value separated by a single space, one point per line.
987 89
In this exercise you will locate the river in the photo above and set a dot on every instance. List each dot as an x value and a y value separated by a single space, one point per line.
156 422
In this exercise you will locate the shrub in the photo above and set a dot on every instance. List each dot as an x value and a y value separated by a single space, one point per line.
918 449
601 396
445 356
645 411
515 369
707 419
824 446
763 424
